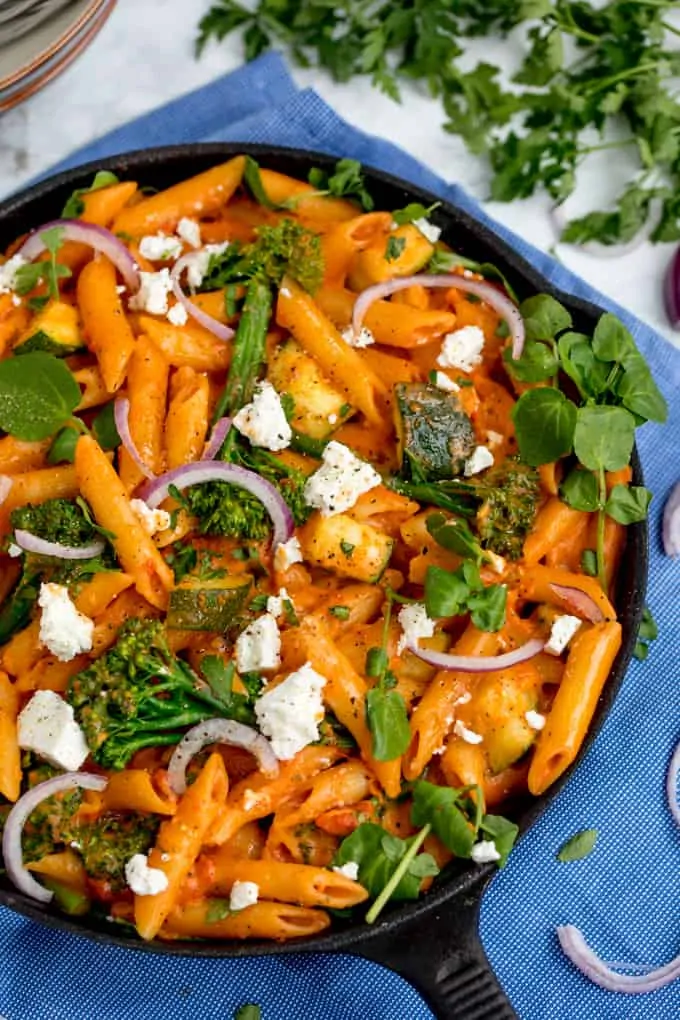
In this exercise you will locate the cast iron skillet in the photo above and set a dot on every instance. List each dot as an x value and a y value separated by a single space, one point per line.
434 943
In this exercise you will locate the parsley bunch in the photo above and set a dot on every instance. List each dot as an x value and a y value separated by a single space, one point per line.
587 68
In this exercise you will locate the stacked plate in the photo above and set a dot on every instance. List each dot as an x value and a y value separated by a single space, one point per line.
39 38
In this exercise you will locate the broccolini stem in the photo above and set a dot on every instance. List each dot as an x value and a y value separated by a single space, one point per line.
601 571
248 350
307 444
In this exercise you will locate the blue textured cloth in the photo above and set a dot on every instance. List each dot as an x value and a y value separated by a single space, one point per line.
623 897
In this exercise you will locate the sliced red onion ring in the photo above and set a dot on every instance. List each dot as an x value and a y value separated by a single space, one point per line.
478 663
672 778
154 492
121 415
219 731
579 602
500 302
218 329
32 544
86 233
671 291
6 483
217 437
671 523
596 970
16 819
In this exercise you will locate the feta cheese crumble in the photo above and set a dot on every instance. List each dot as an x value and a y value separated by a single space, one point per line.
178 315
190 232
494 438
243 894
275 603
480 460
14 550
151 520
341 479
484 852
47 726
198 262
287 553
535 720
469 736
442 382
64 631
8 273
349 870
160 247
264 421
251 800
561 633
427 229
290 713
364 338
259 645
143 880
415 624
152 296
462 349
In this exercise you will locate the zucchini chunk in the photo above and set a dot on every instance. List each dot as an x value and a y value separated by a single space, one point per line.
345 547
55 330
315 399
207 605
499 715
434 433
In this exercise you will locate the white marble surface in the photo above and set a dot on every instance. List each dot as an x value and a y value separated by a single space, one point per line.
144 57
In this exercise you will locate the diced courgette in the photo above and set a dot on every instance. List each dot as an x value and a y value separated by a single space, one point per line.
346 547
54 330
319 408
435 435
404 252
499 715
207 605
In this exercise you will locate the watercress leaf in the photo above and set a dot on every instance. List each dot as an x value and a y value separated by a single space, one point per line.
29 276
578 846
578 361
53 238
544 317
388 722
611 339
365 847
580 490
628 504
393 847
248 1011
377 661
75 206
589 562
648 629
488 607
638 391
219 675
544 425
503 832
253 180
454 534
446 593
423 866
413 211
604 437
104 428
439 807
536 363
217 910
38 395
63 448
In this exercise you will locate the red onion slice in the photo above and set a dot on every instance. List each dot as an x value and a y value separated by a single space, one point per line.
672 778
217 437
596 970
16 819
32 544
154 492
121 416
579 602
218 329
671 291
500 302
99 238
478 663
671 523
219 731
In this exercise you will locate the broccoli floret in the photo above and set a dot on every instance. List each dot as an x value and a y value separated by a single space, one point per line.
286 248
138 695
55 520
510 496
50 827
107 843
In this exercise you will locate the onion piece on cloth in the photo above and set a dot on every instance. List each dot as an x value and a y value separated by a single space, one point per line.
31 543
219 731
478 663
218 329
596 970
98 238
672 779
18 816
671 523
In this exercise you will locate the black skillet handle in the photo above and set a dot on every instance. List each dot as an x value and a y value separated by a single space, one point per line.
443 957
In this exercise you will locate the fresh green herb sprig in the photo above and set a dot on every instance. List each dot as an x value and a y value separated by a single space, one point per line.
456 592
38 396
346 181
578 846
386 713
75 206
647 633
47 271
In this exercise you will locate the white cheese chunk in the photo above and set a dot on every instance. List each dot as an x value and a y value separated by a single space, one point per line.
340 480
561 633
462 349
178 315
160 247
469 736
143 880
47 726
534 719
64 630
364 338
152 296
259 645
427 229
251 800
8 273
14 550
480 460
275 603
290 713
243 894
415 624
484 852
198 262
264 421
287 553
349 870
190 231
151 520
494 438
442 382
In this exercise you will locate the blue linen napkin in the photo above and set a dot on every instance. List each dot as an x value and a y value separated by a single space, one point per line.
624 896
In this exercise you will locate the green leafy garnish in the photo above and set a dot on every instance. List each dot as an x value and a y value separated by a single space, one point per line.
454 593
394 248
647 633
217 910
455 815
413 211
48 272
249 1011
75 206
386 713
346 181
580 845
38 395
